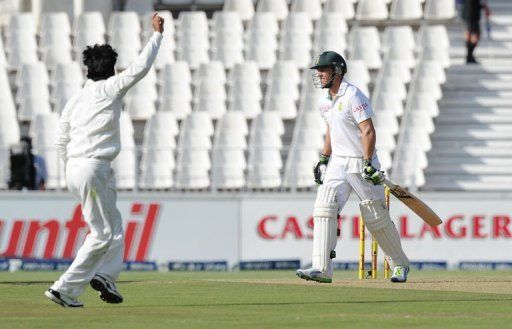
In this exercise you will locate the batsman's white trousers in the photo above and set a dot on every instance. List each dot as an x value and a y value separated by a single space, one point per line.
92 181
344 175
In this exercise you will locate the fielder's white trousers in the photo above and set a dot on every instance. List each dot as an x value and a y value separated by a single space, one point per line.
92 181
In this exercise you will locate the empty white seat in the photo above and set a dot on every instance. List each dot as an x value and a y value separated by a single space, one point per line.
371 10
249 107
428 85
440 55
230 140
212 71
191 177
309 139
263 22
432 69
141 7
124 164
67 72
278 7
56 21
284 70
434 36
213 105
245 71
22 49
424 102
283 105
357 71
386 162
406 56
262 50
405 10
398 37
384 101
244 8
260 177
32 72
227 20
370 56
90 21
385 140
62 92
156 176
234 121
3 60
175 89
199 121
265 157
161 124
124 21
368 35
265 139
332 22
22 21
386 120
392 85
177 71
312 7
42 131
283 88
345 7
298 21
420 120
439 9
330 41
312 120
269 120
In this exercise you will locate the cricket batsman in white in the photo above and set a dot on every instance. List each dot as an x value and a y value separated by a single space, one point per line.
88 140
348 162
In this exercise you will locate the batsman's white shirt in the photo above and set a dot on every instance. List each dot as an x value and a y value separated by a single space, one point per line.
88 140
343 114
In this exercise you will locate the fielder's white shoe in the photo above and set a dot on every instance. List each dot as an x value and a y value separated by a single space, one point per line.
61 299
400 274
312 274
107 289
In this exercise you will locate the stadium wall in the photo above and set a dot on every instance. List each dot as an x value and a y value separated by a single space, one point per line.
253 227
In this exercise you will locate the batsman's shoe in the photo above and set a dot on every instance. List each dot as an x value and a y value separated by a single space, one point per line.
400 274
61 299
312 274
107 289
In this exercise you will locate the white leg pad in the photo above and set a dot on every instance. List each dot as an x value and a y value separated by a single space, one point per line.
325 229
376 218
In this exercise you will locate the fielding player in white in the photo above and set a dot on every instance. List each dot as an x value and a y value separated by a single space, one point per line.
88 140
348 162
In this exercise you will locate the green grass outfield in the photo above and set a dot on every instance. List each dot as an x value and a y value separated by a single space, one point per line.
273 299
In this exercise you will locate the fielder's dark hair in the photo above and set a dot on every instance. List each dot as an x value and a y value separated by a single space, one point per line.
100 61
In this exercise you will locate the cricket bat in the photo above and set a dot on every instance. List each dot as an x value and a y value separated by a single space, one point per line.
413 203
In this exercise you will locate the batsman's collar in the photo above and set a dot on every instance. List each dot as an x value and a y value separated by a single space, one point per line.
341 91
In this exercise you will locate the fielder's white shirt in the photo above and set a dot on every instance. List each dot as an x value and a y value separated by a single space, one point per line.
89 124
343 114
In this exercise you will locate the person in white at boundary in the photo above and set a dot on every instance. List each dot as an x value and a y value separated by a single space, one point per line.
88 140
348 162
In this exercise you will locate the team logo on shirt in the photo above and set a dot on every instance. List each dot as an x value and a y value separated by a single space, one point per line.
340 107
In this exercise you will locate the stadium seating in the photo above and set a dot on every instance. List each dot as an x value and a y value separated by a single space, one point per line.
230 103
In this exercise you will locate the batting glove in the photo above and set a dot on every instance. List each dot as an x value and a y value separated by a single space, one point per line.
372 175
319 169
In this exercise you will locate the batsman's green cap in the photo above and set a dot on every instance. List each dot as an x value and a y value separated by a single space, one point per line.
328 58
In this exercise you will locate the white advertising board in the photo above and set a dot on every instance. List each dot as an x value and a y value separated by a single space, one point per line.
233 228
